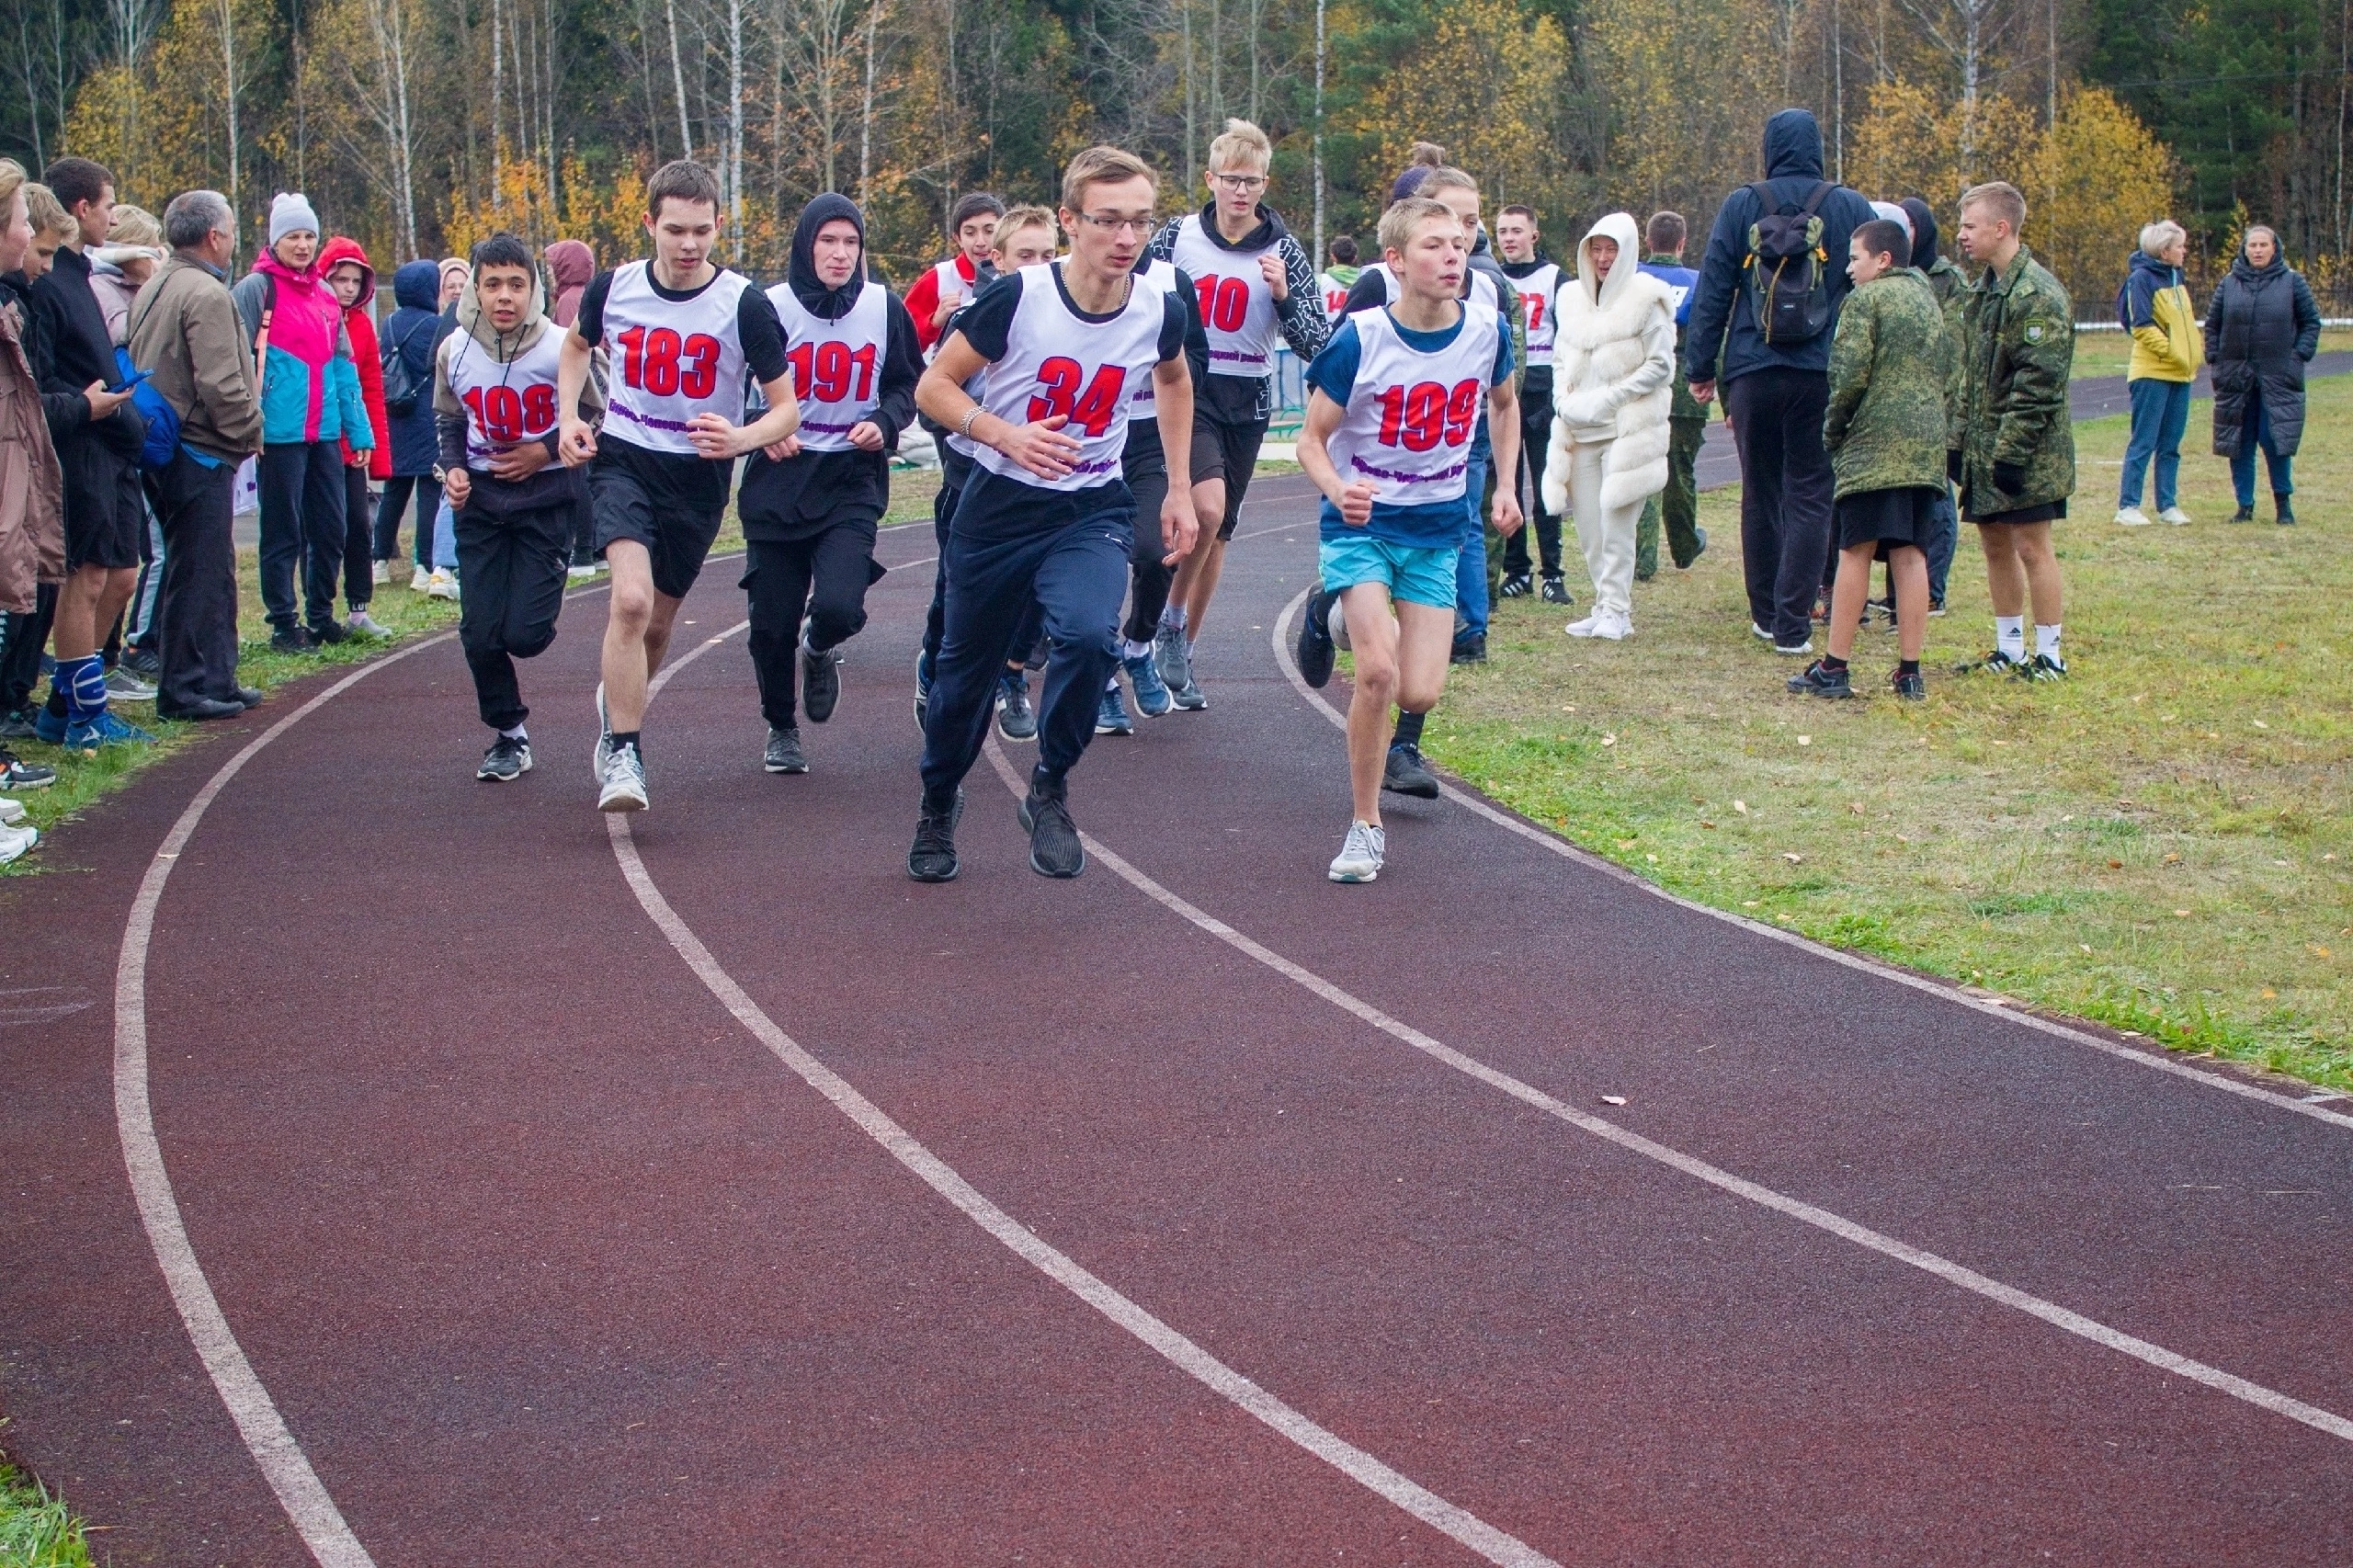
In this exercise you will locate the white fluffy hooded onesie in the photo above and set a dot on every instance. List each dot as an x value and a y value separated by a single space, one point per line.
1613 369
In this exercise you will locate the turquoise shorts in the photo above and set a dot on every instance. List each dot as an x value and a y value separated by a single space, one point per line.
1413 573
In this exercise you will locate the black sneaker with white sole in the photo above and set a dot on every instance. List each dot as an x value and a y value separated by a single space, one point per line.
1315 648
821 682
933 858
1518 586
1556 591
508 758
1907 685
2042 666
1821 680
783 753
1054 848
1405 773
1994 664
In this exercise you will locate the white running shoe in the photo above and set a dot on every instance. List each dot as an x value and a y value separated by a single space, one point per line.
362 624
604 738
421 583
15 841
380 572
12 811
1614 624
1759 632
2175 516
2132 517
1589 627
1359 858
442 586
581 573
624 782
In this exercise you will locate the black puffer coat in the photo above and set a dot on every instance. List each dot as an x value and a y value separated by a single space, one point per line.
2261 327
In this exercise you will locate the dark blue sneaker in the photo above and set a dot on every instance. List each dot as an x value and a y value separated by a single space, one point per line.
1016 719
1152 692
49 728
1314 650
1111 714
1820 680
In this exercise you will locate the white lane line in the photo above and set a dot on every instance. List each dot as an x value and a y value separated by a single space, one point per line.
283 1464
1740 1187
1390 1486
1567 851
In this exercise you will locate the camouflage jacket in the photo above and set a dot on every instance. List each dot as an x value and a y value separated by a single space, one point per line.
1890 361
1952 286
2019 332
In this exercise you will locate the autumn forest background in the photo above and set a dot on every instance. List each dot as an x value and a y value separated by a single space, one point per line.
418 125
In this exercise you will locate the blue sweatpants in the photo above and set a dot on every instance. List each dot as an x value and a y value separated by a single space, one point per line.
1471 565
1009 546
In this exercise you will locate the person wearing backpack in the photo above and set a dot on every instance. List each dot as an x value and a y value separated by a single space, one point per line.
184 330
409 334
1765 307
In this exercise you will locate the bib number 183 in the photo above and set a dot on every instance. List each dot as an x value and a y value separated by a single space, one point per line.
659 362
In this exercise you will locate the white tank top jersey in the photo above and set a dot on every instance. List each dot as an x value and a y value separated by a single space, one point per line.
837 365
1336 296
506 404
1143 404
1055 363
1537 292
672 358
1483 288
1411 416
1237 305
951 286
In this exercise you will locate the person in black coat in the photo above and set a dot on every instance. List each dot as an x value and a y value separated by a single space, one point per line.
2262 328
413 332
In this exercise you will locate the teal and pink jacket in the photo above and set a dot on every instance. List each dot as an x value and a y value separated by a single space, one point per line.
309 388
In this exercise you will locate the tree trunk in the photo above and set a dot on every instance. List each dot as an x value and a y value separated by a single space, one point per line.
678 81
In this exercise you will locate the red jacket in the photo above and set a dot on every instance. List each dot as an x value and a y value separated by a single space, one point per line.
360 322
923 300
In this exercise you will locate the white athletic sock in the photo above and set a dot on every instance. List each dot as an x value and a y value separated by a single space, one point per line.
1112 683
2046 639
1131 649
2009 635
1173 615
515 735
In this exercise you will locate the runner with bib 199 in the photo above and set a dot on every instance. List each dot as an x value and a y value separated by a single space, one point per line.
684 336
1046 516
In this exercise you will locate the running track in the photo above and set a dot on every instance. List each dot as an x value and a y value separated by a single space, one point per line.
1160 1217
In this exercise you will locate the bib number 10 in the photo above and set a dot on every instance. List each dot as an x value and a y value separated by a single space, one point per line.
1058 392
826 371
505 415
657 362
1225 301
1418 417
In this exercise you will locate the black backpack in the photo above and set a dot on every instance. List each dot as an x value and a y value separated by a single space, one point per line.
1787 270
403 387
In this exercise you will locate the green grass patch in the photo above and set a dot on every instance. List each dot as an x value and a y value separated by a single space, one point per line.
2110 353
36 1531
2163 843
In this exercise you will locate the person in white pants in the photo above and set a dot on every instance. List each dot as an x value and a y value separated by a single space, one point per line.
1613 365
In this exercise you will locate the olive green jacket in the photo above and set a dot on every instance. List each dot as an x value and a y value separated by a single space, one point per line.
1952 286
2019 347
1890 361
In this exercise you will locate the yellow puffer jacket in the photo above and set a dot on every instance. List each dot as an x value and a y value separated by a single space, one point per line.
2168 345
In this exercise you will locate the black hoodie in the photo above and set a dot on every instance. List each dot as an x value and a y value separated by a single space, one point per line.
1721 319
806 494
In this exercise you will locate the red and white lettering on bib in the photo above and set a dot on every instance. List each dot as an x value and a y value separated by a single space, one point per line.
1411 415
672 358
1336 296
837 365
509 403
1237 305
1086 371
1537 292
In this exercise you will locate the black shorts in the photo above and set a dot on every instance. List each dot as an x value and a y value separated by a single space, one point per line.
1892 517
1229 452
676 531
106 516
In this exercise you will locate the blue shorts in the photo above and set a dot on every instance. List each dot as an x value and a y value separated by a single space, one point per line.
1412 574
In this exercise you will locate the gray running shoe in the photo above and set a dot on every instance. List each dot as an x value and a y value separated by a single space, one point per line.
1176 664
784 752
126 685
604 739
1405 773
624 781
508 758
1016 719
1362 855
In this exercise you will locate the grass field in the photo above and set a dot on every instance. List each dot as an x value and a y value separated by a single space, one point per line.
35 1530
2109 353
2163 843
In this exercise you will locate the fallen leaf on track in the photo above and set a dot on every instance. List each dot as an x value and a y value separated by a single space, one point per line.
1613 1099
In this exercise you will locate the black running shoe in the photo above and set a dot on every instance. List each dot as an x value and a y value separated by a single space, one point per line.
291 640
1556 591
1016 719
1468 650
783 755
1405 773
2042 666
1994 664
933 858
1314 650
1908 685
2244 514
821 683
328 632
1518 586
508 758
1819 680
1054 848
15 773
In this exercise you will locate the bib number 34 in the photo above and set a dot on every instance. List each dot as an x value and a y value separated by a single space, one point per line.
1058 392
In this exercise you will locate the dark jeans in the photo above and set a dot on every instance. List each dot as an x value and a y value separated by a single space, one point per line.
20 649
1785 493
513 566
1001 561
302 522
1527 484
358 529
955 471
195 610
1939 549
2255 436
823 576
394 502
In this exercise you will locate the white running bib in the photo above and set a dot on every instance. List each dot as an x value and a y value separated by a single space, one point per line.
1238 304
1411 415
1336 296
837 365
506 404
672 358
1537 292
951 286
1055 363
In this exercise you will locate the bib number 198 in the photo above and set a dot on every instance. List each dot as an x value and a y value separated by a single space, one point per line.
657 362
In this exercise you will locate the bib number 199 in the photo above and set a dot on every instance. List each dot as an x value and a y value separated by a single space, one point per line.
1418 417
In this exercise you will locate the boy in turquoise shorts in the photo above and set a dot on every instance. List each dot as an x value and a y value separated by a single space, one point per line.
1394 403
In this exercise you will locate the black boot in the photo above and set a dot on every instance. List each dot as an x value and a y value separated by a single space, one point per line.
2286 519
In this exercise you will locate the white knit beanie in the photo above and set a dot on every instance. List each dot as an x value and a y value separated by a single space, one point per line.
290 212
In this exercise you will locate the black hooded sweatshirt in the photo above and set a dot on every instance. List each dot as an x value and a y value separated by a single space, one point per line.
1721 318
809 493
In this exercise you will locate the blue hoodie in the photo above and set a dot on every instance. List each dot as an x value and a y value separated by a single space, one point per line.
410 329
1720 315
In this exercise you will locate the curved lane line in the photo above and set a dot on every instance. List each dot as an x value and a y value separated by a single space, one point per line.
1936 988
1390 1485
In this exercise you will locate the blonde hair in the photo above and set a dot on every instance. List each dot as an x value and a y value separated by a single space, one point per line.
11 180
1426 156
1028 215
1101 165
134 226
1398 224
2002 199
47 213
1445 177
1243 144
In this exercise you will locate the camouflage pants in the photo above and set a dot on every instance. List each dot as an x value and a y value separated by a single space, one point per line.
1679 503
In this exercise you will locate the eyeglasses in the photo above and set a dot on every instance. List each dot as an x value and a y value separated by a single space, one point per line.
1112 223
1239 183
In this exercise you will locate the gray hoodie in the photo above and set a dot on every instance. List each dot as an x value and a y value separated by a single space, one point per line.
551 485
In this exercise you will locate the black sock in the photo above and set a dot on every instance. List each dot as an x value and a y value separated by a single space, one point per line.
627 738
1409 728
1907 667
1832 664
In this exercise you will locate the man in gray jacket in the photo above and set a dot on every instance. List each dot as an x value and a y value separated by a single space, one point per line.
185 332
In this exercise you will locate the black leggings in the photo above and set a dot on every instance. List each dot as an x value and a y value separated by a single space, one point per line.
823 576
513 569
394 502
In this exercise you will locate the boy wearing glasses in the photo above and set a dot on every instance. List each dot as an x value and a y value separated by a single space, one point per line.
1061 349
1253 281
